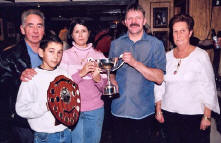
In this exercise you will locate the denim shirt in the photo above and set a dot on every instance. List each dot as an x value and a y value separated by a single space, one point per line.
35 59
136 99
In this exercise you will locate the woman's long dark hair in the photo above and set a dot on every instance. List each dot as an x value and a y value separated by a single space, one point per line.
83 22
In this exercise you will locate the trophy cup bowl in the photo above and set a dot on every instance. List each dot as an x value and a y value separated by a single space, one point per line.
108 65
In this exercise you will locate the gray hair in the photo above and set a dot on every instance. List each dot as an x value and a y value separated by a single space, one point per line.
25 14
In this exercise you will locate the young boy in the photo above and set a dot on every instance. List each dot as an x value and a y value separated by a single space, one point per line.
32 96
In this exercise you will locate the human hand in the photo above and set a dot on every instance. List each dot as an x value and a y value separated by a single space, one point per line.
87 68
96 73
205 123
27 75
159 117
129 59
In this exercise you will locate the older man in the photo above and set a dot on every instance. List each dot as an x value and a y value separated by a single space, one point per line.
12 62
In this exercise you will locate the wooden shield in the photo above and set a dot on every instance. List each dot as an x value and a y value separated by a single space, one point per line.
63 98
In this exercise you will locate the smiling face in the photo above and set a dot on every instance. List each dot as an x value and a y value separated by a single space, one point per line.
135 21
51 55
80 35
181 34
33 29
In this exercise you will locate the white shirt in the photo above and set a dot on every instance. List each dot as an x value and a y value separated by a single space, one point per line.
32 99
191 88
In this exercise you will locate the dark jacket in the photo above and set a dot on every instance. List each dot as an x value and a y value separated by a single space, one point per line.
13 62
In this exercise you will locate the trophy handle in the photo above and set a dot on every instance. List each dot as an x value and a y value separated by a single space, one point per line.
119 65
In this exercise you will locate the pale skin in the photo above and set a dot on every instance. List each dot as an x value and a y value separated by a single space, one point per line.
181 36
135 21
80 35
33 30
51 56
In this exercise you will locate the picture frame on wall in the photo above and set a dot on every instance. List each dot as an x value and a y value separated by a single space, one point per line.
1 30
160 15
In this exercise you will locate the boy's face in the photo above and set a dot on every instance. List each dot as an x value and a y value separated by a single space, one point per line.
51 56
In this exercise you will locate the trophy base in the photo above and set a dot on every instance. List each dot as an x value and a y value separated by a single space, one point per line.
104 97
110 92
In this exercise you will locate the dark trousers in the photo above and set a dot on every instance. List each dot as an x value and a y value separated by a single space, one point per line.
24 135
126 130
185 128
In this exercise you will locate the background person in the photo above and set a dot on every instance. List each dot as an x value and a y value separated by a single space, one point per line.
91 84
188 94
13 62
144 56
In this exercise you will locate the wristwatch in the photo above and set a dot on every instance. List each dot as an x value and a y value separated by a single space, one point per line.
207 118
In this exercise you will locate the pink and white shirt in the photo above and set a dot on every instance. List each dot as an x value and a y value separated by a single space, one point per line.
90 91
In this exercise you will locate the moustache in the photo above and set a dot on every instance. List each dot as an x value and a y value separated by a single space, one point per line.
134 24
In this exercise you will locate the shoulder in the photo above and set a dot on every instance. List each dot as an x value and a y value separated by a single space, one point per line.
200 51
201 54
120 39
169 53
153 40
13 50
68 51
67 54
97 54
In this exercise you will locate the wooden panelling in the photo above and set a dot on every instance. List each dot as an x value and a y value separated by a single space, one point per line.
216 19
164 10
201 10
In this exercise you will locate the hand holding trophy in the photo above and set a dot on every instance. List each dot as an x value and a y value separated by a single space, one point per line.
109 65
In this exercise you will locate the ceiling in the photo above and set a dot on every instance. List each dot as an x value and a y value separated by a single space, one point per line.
64 10
60 12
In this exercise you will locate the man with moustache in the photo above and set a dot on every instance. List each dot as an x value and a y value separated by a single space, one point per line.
13 61
145 62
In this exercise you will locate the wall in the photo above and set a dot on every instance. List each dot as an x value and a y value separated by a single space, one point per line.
158 14
201 10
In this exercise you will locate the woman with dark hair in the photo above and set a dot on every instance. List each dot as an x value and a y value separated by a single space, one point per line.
187 96
86 74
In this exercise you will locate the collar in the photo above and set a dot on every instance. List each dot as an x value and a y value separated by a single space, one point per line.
145 36
76 47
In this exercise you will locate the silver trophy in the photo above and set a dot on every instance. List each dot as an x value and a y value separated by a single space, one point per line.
109 65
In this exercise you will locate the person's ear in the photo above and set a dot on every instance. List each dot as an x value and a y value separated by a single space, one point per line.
40 52
22 29
145 21
191 33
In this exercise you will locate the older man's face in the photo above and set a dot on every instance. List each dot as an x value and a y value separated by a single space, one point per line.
33 29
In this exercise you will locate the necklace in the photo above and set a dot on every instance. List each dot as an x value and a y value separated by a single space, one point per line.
177 67
82 60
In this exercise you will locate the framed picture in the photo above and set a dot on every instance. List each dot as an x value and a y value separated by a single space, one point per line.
1 30
160 15
164 37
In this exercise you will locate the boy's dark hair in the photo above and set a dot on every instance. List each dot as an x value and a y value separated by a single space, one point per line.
49 38
136 7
